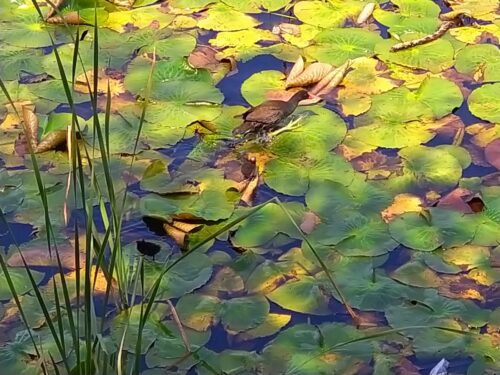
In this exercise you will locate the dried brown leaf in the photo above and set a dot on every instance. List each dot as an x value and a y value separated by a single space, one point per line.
309 222
492 153
312 74
51 141
297 70
249 190
70 18
30 125
455 200
366 13
402 203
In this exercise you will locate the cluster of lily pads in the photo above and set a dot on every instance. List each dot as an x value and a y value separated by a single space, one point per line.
389 213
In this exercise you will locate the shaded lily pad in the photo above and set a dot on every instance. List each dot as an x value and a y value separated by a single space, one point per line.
445 227
304 295
241 314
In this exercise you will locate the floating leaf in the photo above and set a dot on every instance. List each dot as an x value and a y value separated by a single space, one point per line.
255 88
220 17
266 224
304 295
435 56
326 15
414 16
270 326
198 311
416 273
396 119
336 46
241 314
310 75
445 227
483 102
440 95
481 61
420 161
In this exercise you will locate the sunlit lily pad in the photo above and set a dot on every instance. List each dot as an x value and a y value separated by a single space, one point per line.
483 102
221 17
326 15
435 56
396 119
421 161
255 88
481 61
440 95
336 46
414 16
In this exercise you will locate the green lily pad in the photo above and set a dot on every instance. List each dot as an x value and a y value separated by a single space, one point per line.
254 89
264 225
414 16
214 201
483 102
432 167
255 6
441 95
397 118
336 46
21 282
169 350
480 61
356 235
221 17
326 14
447 228
198 311
331 200
13 60
304 295
244 313
415 273
435 56
128 321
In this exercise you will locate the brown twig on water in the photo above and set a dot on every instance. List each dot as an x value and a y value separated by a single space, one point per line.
445 26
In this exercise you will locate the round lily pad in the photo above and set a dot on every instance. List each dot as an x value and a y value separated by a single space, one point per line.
336 46
254 89
442 227
435 56
303 295
483 102
480 61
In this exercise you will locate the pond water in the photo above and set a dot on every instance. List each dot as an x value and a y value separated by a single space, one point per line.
392 179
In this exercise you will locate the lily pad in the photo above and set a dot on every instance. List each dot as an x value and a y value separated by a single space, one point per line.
445 227
483 102
435 56
480 61
304 295
336 46
221 17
